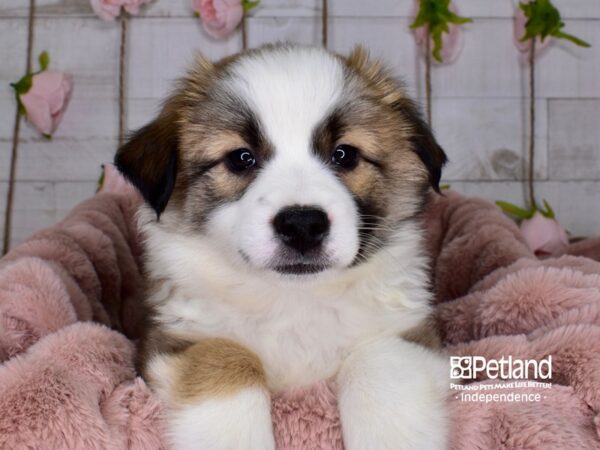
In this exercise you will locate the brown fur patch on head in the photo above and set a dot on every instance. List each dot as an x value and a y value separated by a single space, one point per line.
214 146
150 158
389 182
390 92
400 158
376 75
178 160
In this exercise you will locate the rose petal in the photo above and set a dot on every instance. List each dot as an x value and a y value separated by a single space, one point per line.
46 100
116 183
452 44
48 81
106 9
233 18
133 6
207 11
49 85
196 5
67 89
221 17
544 235
38 112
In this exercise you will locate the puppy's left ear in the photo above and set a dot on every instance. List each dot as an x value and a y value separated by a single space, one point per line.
391 92
149 160
424 143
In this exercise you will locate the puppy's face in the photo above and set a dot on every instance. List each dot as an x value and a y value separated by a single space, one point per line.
287 159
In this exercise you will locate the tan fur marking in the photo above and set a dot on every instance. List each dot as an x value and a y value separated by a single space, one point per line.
424 334
212 147
375 74
362 180
215 367
386 145
227 185
364 140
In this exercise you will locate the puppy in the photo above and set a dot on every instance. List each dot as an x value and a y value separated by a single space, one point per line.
284 188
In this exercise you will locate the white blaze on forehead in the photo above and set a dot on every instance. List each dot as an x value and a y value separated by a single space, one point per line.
290 89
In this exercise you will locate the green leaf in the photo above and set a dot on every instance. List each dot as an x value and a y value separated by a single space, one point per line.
573 39
248 5
543 20
419 22
44 60
514 210
47 136
23 85
437 47
20 105
196 14
458 20
436 16
101 178
549 212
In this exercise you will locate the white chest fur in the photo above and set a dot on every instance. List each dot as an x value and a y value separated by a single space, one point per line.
300 329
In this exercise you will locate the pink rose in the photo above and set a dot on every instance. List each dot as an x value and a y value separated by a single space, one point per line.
133 6
110 9
452 42
115 183
46 100
543 235
219 17
107 9
519 22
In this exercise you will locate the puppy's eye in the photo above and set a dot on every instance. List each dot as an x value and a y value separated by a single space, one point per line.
345 156
240 160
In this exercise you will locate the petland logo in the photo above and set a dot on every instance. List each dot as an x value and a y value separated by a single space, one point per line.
470 367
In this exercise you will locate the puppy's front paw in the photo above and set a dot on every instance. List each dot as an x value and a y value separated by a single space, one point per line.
215 397
241 421
392 396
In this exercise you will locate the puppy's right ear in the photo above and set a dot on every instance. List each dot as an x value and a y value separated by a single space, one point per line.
149 160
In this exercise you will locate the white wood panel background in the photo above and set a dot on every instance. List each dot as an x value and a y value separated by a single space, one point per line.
480 106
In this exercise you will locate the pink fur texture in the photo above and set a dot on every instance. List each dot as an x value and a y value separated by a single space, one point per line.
69 383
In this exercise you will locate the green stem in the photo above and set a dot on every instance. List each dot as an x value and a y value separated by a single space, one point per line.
122 78
10 192
428 75
530 173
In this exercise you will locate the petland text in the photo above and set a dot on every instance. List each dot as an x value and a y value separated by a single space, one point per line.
505 368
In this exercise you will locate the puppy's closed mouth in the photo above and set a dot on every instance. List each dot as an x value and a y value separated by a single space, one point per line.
300 269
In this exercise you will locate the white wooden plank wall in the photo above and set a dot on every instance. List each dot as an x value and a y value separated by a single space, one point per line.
480 112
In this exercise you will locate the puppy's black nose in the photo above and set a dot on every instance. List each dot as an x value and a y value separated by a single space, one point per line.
300 227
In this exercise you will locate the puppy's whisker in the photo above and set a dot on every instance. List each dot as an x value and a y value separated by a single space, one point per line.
375 229
373 244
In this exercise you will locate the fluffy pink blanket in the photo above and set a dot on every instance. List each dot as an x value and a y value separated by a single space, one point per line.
67 380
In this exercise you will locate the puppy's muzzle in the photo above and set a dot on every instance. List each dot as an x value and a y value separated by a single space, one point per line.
302 228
